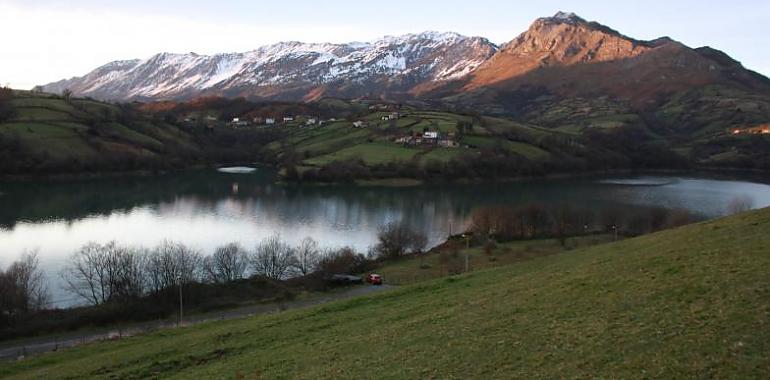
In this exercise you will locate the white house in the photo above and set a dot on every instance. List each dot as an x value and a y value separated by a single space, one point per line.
287 119
359 124
311 121
270 121
430 135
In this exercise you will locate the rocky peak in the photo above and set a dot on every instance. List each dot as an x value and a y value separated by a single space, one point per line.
564 17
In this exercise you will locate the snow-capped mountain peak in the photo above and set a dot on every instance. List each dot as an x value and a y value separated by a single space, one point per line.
395 62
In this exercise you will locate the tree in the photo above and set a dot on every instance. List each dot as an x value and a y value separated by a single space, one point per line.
228 263
7 110
22 286
396 239
307 256
536 217
102 273
565 221
272 258
66 94
170 264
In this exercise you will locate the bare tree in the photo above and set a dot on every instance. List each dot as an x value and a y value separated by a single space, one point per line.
22 286
228 263
84 274
100 273
307 256
565 221
396 239
740 204
170 263
272 258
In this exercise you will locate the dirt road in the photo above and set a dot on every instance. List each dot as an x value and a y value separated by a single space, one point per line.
23 348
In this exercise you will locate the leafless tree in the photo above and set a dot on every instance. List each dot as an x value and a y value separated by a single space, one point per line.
100 273
169 263
228 263
22 286
307 256
272 258
565 221
396 239
740 204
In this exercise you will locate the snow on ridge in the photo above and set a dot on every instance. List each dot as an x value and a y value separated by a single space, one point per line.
168 74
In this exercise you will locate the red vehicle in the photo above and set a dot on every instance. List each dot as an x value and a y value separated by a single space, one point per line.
374 279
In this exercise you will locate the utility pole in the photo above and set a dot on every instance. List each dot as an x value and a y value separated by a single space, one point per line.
467 254
181 307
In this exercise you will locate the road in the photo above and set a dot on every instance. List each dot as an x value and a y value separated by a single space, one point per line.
20 349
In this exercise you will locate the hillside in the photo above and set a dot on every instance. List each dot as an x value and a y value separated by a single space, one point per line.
686 303
42 134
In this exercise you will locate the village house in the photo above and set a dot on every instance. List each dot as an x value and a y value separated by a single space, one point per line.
359 124
311 121
270 121
287 119
237 122
258 120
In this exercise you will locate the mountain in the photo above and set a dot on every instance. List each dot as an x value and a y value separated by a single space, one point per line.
290 70
564 73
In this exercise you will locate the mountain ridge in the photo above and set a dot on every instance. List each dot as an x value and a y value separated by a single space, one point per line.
559 57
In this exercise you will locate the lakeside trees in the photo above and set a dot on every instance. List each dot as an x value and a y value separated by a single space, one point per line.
535 220
22 287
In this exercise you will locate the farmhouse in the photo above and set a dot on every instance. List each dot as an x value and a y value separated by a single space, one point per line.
359 124
270 121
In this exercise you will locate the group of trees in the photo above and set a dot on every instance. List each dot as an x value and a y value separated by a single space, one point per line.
536 220
104 273
22 288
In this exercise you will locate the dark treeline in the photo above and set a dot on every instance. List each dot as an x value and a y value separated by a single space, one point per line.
536 220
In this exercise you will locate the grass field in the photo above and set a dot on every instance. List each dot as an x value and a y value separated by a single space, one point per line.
372 154
527 150
410 270
693 302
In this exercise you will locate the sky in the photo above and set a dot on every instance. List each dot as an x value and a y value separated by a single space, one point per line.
42 41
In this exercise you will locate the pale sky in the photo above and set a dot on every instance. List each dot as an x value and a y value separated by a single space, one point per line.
46 40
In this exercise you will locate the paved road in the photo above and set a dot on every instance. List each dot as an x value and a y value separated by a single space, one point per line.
27 347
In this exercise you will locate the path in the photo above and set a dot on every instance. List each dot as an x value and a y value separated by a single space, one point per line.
26 347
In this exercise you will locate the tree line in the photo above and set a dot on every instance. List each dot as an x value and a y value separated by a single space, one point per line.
537 220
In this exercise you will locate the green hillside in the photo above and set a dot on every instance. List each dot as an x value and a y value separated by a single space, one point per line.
693 302
51 134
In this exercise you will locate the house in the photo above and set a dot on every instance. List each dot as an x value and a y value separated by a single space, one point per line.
237 122
270 120
393 116
359 124
430 135
258 120
211 118
311 121
287 119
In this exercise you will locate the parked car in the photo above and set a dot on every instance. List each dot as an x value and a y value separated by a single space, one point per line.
345 279
374 279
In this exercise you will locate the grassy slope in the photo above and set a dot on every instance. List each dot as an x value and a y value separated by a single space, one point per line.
58 130
691 302
340 141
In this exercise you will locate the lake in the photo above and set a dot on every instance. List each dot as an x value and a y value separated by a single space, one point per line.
205 209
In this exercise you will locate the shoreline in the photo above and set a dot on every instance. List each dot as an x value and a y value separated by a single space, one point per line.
756 175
